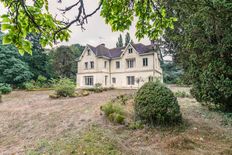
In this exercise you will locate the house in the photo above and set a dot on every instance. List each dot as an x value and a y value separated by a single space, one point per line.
124 68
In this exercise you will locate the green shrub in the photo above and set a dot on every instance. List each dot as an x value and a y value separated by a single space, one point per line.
155 104
182 94
41 81
65 87
114 112
117 118
29 85
5 88
136 125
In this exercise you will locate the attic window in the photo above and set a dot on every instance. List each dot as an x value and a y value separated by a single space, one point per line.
130 50
88 52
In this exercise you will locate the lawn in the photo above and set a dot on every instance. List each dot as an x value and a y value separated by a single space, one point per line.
31 123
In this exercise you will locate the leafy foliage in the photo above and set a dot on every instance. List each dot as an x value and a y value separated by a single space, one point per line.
23 19
182 94
5 88
63 62
171 72
39 60
65 88
114 112
41 82
155 104
13 70
152 18
201 42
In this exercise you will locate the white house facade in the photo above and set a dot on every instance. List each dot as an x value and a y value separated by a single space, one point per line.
124 68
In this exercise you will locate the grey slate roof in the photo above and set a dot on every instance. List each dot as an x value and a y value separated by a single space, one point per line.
102 51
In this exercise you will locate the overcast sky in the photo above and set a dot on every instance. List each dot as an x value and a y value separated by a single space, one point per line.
96 32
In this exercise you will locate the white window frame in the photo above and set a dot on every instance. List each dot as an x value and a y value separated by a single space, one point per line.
130 50
86 65
89 80
130 80
105 64
117 64
92 64
130 63
145 62
114 80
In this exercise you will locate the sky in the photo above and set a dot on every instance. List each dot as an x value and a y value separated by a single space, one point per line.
96 32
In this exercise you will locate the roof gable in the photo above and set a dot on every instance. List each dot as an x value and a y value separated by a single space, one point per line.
102 51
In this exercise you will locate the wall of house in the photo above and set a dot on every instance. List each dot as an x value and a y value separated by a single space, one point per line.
140 72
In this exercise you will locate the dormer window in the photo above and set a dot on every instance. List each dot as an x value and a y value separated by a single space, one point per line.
130 50
88 52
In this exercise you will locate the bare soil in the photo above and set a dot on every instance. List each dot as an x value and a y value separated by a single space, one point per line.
29 117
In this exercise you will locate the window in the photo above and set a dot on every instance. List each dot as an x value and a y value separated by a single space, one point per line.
86 65
89 80
130 63
145 61
117 64
150 78
88 52
130 50
91 64
113 80
106 77
105 64
130 80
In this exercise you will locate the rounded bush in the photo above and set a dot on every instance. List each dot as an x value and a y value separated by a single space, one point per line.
5 88
65 88
155 104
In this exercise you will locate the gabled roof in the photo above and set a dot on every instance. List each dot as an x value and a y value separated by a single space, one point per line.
102 51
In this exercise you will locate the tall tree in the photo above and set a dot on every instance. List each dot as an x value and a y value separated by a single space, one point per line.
201 43
38 61
13 70
120 41
127 39
63 61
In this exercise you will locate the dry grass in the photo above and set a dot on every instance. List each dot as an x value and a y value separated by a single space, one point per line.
28 119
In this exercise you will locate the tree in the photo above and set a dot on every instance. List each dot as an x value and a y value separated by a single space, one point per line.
201 43
23 18
120 41
127 39
13 70
38 61
63 62
171 72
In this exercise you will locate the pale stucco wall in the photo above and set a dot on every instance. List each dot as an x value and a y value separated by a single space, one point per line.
138 71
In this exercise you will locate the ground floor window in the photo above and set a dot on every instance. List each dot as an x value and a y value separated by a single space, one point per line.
113 80
130 80
150 78
89 80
